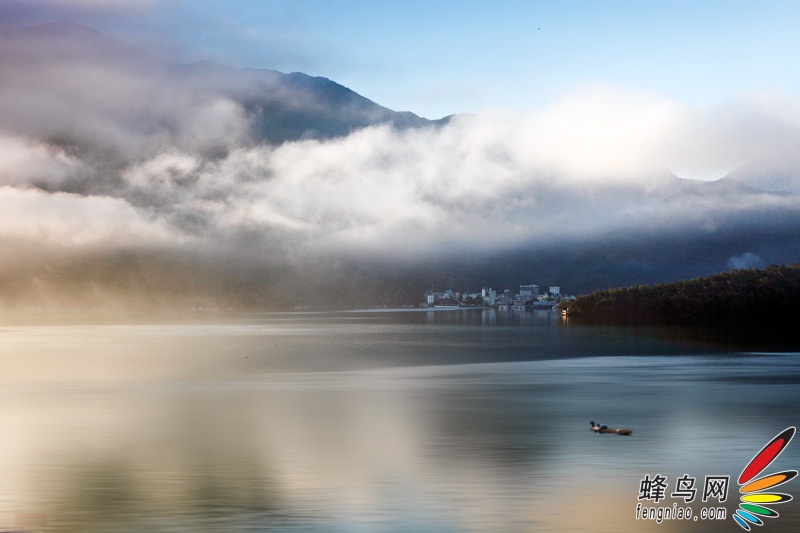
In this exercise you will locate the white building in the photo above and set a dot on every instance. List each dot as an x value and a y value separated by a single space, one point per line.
529 292
489 295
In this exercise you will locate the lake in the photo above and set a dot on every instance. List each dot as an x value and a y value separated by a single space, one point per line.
378 421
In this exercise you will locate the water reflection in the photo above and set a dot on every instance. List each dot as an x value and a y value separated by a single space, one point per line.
372 422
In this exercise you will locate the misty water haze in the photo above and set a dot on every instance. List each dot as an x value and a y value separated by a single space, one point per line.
393 421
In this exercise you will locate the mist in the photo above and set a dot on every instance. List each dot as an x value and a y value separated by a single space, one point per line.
107 150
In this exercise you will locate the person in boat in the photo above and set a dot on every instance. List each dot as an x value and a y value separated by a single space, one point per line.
598 426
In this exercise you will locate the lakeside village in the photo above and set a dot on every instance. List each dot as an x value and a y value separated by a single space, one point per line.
528 298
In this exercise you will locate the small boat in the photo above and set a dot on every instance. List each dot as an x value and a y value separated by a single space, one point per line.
602 428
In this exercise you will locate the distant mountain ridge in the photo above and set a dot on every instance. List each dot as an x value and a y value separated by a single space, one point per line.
281 107
744 297
193 150
781 176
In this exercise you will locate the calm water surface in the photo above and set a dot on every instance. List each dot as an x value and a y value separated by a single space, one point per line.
461 421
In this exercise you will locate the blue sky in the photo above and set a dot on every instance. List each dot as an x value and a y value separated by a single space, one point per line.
438 58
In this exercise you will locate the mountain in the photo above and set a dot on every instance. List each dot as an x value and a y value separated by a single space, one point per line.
278 107
768 298
671 230
289 107
129 179
777 175
328 109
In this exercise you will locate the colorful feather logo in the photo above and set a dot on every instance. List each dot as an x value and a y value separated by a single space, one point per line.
756 493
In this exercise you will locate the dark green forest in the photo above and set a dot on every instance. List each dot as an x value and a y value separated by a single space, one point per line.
768 297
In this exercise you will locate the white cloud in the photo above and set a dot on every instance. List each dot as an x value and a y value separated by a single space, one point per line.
600 133
73 220
710 143
746 260
589 165
24 162
164 171
584 166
